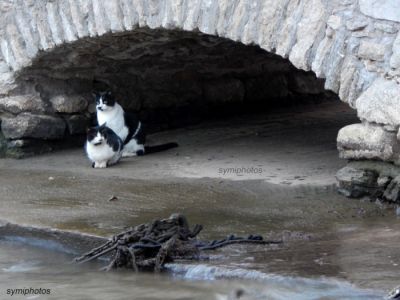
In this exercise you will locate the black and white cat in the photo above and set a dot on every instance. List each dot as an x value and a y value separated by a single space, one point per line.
103 146
127 126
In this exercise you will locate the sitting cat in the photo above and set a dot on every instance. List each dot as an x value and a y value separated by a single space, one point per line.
127 126
103 146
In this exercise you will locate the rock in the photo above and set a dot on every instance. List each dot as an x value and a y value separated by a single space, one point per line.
77 124
367 141
383 181
7 83
4 68
22 103
334 22
395 59
308 29
356 183
346 2
372 51
27 125
69 104
392 192
355 25
348 80
27 147
385 27
381 9
380 103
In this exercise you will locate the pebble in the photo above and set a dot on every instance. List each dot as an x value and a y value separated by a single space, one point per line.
113 198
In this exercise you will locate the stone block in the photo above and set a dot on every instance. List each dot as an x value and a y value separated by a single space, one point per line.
309 27
69 104
26 147
28 125
334 22
381 9
386 27
22 103
7 83
392 191
355 183
380 103
367 141
355 25
395 59
372 51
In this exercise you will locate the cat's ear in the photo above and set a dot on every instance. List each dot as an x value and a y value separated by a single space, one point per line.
110 95
95 94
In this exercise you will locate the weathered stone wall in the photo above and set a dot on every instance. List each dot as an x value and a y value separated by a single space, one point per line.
350 43
353 44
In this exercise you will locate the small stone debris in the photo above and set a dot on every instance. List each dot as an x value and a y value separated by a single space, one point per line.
113 198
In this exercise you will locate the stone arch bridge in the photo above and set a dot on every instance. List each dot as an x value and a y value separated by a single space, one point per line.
54 51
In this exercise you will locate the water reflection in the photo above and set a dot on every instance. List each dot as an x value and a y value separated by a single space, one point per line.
23 266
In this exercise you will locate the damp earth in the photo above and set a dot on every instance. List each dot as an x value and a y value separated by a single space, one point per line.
334 247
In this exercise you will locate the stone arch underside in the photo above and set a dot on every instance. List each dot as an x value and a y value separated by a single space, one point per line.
354 45
169 78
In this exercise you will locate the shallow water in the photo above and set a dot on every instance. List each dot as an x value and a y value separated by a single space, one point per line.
334 248
33 263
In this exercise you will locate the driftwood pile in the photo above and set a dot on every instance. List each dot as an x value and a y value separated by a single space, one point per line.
147 247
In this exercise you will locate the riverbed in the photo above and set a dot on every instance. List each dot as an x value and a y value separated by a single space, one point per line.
333 247
25 267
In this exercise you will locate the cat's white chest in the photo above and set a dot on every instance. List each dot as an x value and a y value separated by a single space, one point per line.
101 152
115 120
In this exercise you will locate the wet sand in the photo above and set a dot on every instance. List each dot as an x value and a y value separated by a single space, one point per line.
293 197
295 146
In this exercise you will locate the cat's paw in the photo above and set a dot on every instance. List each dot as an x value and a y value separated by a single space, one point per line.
100 165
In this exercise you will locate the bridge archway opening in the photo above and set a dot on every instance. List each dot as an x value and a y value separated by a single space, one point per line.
171 79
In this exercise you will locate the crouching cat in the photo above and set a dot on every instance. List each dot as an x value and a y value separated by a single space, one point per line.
127 126
103 146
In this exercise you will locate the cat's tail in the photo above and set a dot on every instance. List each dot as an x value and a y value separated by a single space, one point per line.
159 148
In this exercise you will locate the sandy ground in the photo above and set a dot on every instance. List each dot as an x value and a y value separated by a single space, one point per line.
285 148
291 147
293 193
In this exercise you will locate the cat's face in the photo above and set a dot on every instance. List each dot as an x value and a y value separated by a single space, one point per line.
105 101
97 135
